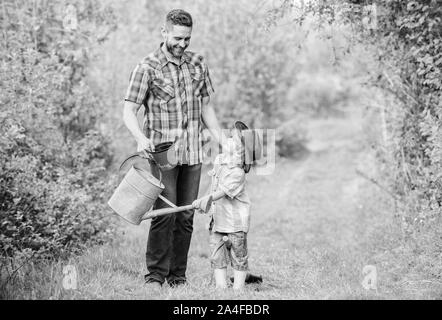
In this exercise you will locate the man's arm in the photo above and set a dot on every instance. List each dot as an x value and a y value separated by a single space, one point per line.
211 121
131 122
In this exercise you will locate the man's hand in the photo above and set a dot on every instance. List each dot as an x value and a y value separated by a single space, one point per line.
143 143
210 120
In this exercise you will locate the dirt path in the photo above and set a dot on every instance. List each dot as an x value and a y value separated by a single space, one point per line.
303 235
306 229
315 225
305 219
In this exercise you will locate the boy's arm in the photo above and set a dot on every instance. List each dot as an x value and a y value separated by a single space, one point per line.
218 195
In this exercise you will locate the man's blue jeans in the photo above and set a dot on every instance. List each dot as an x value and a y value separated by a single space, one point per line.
169 236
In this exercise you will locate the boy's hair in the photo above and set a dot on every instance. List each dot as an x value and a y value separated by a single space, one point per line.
178 17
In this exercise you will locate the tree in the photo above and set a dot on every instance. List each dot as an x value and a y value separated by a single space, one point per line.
53 157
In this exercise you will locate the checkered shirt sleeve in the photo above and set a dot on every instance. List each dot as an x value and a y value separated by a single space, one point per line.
138 85
207 88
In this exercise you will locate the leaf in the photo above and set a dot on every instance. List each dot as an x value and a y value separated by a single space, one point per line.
411 5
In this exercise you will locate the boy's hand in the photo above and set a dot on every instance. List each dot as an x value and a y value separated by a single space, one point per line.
197 206
203 204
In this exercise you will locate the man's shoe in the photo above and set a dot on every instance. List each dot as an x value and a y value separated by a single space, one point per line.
153 285
177 283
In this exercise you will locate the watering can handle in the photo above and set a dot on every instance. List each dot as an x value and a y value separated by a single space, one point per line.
149 156
164 211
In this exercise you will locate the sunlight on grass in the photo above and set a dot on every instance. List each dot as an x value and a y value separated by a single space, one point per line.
310 238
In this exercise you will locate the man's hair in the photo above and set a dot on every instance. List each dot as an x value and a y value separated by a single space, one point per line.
179 17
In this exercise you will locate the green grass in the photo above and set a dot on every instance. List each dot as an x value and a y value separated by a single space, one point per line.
315 225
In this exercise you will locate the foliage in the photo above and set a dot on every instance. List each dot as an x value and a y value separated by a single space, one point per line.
291 139
53 158
414 30
265 69
407 36
255 54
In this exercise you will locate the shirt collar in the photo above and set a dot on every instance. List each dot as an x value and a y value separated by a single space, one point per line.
224 160
166 57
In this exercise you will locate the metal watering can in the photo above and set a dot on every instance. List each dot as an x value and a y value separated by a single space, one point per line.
139 189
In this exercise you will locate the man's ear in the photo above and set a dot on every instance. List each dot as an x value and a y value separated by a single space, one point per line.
164 32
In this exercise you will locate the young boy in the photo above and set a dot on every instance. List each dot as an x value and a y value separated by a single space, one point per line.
230 209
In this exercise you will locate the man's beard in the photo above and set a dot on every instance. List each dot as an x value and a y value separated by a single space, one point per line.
175 51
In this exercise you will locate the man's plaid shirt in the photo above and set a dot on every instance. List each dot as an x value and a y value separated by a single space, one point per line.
171 92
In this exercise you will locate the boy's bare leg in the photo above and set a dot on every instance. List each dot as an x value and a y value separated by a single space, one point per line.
239 279
220 278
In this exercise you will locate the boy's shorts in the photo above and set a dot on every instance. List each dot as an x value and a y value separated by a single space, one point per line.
234 250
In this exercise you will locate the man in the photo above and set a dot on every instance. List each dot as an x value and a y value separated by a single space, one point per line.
175 88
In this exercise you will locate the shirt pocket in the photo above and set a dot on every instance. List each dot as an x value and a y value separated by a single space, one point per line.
163 89
197 81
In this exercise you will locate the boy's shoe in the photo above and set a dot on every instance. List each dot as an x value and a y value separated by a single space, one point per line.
250 278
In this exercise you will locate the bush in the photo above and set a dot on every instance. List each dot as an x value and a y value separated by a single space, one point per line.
291 139
53 159
406 36
414 48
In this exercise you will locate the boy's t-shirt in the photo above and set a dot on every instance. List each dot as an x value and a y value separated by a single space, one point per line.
232 212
